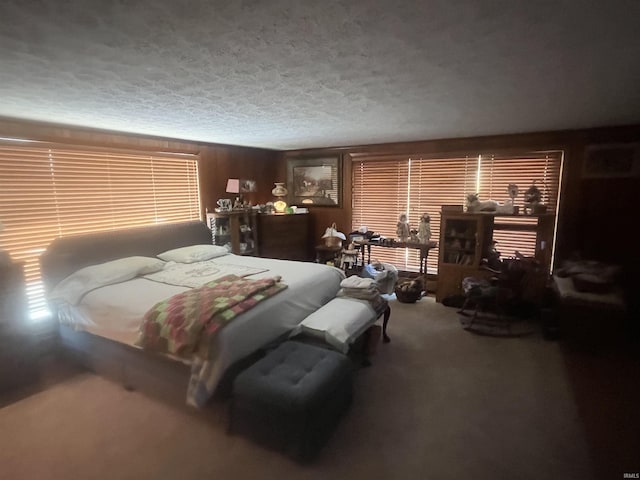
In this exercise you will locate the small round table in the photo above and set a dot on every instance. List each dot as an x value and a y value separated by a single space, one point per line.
326 253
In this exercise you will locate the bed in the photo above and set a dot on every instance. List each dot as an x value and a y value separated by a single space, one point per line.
101 326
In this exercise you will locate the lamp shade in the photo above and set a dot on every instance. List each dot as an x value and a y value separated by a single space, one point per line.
233 185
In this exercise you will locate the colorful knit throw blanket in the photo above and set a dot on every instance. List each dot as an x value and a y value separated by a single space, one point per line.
185 323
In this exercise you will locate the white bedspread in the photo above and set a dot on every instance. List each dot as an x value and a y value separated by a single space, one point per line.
116 311
196 274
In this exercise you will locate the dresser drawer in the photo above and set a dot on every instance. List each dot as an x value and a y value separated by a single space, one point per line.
284 236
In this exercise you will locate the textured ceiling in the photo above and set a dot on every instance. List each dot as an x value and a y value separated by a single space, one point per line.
295 74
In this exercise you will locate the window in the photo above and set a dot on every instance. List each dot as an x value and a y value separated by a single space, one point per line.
497 172
380 190
384 187
53 190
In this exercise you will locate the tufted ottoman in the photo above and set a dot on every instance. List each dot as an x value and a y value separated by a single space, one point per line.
292 399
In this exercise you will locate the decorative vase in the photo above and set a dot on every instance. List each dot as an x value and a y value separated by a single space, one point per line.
279 190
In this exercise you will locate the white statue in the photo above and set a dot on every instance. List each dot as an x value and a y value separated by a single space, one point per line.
424 229
403 230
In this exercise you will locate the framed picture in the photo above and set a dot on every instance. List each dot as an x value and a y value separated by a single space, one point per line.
315 181
247 185
611 161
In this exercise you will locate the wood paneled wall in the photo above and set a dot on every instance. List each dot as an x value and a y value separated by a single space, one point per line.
219 163
591 214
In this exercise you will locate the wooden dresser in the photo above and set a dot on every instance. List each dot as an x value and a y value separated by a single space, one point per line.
285 236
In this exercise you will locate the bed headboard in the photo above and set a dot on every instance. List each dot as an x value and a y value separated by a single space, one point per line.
65 255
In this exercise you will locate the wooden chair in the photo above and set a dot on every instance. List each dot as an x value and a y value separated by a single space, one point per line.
500 294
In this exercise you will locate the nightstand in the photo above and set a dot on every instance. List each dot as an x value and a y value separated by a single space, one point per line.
13 301
17 353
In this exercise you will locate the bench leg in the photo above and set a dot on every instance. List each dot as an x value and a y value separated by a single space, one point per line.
387 314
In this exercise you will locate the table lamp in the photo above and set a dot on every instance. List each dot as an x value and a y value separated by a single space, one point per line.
233 186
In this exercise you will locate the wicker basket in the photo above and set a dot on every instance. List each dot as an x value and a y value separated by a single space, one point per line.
408 291
332 240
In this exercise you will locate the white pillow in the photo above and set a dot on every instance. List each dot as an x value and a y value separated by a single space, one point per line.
193 253
76 285
339 322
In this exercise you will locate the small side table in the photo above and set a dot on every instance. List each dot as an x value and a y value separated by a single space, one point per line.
13 299
325 254
17 352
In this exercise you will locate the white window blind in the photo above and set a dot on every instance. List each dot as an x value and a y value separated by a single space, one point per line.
434 182
380 193
437 182
51 190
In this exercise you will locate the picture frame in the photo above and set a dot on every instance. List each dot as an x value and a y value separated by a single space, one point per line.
248 185
315 181
612 161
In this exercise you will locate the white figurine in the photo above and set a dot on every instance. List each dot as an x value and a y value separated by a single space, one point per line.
403 231
424 230
475 205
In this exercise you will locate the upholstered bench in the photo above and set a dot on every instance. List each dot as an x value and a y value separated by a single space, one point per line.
342 321
292 398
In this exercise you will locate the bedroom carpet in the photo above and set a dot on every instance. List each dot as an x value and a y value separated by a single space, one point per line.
437 403
488 324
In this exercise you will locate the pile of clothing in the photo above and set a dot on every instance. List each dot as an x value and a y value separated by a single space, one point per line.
363 289
385 275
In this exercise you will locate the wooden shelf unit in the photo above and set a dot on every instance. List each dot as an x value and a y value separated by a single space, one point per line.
238 229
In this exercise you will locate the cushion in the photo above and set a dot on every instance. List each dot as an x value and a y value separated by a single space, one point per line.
565 288
605 271
193 253
76 285
294 376
293 398
587 282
